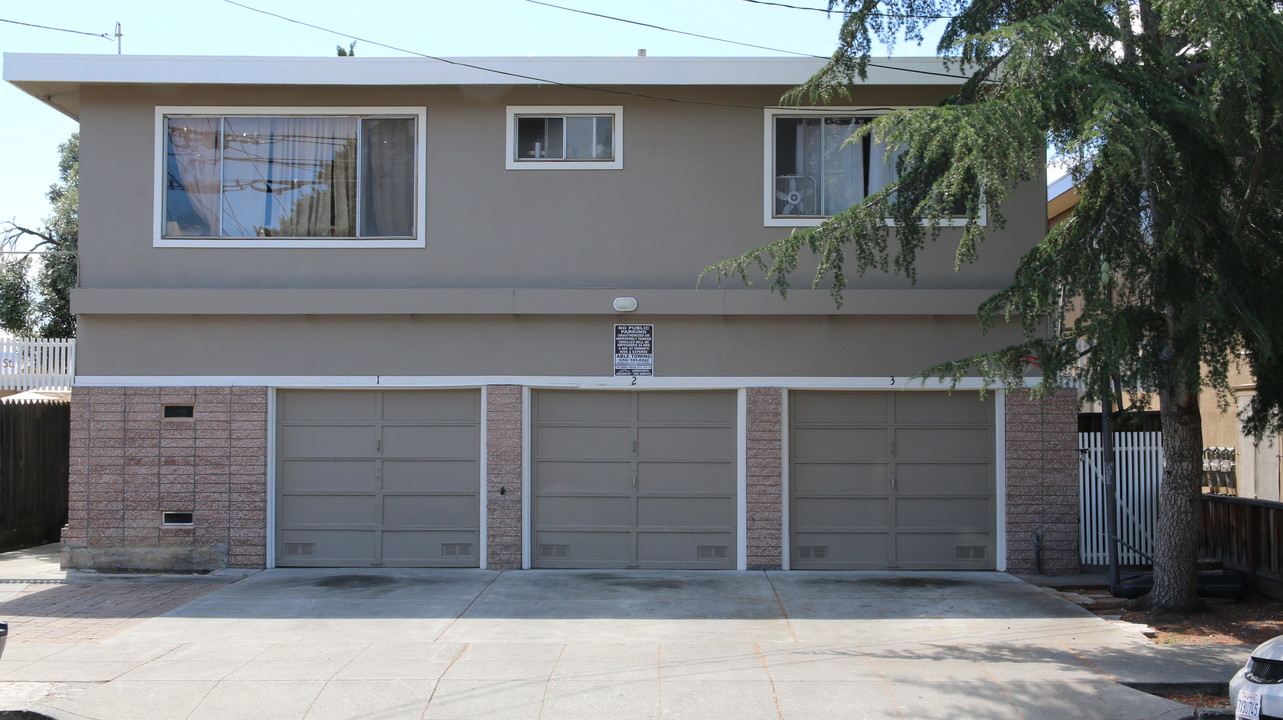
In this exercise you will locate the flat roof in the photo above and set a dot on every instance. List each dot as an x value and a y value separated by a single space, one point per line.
56 79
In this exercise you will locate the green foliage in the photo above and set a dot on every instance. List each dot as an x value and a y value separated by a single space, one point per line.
349 51
1169 116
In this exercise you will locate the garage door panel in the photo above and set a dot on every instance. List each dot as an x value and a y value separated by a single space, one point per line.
942 512
431 440
840 478
661 477
686 549
686 407
842 443
353 547
326 509
940 549
943 478
439 510
579 511
961 444
443 548
819 551
841 513
329 441
602 476
323 405
685 443
937 408
671 512
852 408
327 475
582 407
584 442
581 549
431 405
440 475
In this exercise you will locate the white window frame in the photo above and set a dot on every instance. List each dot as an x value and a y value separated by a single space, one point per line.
768 165
617 136
420 177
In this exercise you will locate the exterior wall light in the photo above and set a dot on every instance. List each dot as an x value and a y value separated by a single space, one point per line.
625 304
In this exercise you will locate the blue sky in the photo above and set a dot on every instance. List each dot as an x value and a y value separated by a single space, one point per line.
30 131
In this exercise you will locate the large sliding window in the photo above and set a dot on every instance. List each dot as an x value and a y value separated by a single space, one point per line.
282 179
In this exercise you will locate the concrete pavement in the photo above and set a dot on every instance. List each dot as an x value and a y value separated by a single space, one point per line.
564 645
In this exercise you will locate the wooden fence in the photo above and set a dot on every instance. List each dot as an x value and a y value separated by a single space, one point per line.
1138 460
34 444
1246 535
28 363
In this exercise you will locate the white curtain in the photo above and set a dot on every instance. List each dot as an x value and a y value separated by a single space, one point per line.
192 182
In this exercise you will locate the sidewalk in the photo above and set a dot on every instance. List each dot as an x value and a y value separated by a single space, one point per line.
571 645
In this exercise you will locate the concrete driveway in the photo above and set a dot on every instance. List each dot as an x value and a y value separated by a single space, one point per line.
457 644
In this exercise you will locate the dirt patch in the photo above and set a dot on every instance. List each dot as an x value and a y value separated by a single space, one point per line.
1219 622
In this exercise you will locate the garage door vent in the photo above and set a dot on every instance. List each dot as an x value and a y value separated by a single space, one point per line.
812 552
456 549
300 549
554 551
971 552
711 552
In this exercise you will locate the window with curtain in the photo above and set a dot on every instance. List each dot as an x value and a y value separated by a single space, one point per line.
817 172
305 176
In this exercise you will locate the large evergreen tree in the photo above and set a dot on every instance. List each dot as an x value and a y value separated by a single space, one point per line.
1169 116
45 309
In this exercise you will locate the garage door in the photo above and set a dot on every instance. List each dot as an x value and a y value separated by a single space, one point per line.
634 479
378 478
891 480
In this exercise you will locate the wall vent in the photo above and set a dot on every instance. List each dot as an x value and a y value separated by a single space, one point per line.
971 552
711 552
179 412
812 552
554 551
175 518
300 549
456 549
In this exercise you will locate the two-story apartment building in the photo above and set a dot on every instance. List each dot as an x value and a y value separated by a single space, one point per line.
399 312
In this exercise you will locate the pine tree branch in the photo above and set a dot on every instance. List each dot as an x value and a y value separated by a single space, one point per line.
15 231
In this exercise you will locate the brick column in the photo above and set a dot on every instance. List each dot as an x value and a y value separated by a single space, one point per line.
1042 481
503 477
764 475
130 464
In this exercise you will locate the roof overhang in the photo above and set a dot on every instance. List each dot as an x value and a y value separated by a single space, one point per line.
57 79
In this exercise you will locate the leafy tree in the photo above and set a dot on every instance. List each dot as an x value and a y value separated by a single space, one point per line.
1169 115
45 310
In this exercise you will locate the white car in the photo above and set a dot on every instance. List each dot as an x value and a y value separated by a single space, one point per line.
1257 689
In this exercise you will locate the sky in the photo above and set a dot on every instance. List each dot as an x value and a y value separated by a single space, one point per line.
30 131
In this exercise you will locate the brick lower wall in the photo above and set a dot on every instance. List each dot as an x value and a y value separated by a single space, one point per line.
129 464
764 471
503 477
1042 482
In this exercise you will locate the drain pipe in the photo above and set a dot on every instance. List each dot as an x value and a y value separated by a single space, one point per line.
1037 552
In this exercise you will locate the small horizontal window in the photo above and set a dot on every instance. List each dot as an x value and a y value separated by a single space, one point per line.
270 178
564 138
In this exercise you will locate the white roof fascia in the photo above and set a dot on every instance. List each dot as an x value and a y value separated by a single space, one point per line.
29 68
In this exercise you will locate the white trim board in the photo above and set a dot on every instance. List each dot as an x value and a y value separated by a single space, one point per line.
881 382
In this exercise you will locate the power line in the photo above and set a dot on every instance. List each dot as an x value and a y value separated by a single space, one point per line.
875 14
671 30
104 36
547 81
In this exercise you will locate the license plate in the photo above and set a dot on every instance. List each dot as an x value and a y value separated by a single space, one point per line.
1249 706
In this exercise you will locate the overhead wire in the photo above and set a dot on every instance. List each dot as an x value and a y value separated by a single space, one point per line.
105 36
548 81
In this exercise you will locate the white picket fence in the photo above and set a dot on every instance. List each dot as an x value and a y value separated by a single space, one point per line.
1138 461
29 363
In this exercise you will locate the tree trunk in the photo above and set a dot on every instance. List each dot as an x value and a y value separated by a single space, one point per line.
1176 541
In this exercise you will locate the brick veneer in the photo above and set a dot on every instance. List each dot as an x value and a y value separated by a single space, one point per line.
503 473
1042 482
764 470
129 464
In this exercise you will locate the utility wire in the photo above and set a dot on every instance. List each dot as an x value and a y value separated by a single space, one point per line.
547 81
736 42
671 30
875 14
104 36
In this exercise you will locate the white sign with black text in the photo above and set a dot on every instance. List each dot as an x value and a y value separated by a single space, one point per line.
634 351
